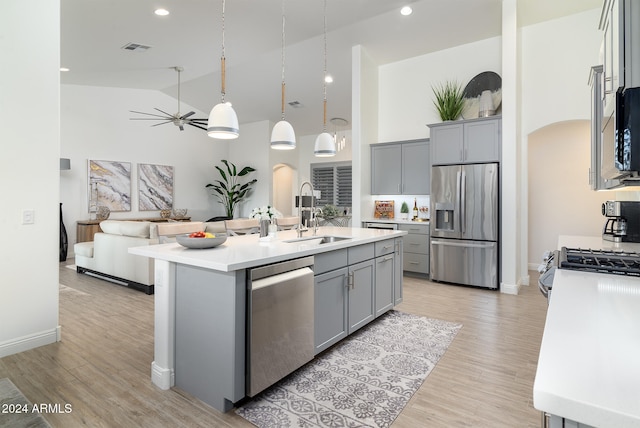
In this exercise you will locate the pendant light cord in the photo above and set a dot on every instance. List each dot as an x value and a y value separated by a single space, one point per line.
222 58
283 58
324 82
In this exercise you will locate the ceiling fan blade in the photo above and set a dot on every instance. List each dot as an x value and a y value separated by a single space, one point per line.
197 126
181 127
162 123
170 115
184 116
200 121
150 118
148 114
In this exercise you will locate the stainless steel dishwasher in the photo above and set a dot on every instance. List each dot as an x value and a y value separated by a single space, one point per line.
280 324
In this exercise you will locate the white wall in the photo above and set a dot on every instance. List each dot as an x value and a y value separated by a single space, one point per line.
560 199
102 130
555 73
557 57
29 135
405 103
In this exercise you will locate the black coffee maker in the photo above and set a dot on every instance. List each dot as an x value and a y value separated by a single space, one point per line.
623 221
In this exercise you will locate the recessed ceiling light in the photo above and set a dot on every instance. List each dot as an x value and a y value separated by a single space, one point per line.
406 11
161 12
328 79
64 69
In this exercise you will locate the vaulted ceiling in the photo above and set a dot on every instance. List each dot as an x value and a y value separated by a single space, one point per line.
94 33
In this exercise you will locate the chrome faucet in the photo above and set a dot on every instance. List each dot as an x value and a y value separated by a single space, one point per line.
301 226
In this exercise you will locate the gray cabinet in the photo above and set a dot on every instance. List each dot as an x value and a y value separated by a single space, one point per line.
401 168
397 271
384 276
416 248
386 174
352 287
596 181
361 295
330 308
466 141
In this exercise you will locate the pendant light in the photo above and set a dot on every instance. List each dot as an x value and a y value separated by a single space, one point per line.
223 122
282 136
325 145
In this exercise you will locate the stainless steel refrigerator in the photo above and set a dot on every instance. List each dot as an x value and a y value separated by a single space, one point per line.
464 224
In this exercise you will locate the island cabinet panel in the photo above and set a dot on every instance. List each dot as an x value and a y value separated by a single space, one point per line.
210 334
353 286
397 271
361 294
330 308
327 262
384 283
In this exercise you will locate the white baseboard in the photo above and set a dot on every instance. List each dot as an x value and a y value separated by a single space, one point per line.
509 288
31 341
161 377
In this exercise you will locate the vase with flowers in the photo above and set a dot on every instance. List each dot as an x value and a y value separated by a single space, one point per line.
266 212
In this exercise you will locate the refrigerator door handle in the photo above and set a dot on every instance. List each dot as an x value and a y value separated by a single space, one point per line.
468 244
463 203
456 222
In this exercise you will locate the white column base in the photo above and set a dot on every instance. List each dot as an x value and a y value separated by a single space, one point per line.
161 377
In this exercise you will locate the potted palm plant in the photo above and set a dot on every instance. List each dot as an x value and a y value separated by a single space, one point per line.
449 100
229 190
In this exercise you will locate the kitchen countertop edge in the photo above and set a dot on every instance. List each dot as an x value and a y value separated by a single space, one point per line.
243 252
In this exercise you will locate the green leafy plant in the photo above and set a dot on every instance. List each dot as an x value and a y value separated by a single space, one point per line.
404 208
329 211
229 190
449 100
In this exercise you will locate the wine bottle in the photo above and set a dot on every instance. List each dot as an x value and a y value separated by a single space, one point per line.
415 208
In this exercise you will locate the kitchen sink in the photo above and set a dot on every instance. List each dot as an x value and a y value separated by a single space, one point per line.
317 240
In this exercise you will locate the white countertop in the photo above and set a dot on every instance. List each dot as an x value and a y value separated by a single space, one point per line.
242 252
394 220
589 365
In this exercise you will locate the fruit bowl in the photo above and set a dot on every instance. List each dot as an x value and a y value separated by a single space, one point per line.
201 243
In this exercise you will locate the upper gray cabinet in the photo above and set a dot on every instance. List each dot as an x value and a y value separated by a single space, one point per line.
401 168
466 141
596 181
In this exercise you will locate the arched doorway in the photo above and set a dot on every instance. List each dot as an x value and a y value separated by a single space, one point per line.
284 192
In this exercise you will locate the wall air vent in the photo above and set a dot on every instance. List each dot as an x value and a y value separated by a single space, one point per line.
137 47
296 104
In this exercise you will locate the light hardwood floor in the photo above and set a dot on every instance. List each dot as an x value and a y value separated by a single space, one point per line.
102 365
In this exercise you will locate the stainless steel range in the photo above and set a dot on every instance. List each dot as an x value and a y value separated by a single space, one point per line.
588 260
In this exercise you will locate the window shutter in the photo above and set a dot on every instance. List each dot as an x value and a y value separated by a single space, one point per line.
322 180
334 182
343 186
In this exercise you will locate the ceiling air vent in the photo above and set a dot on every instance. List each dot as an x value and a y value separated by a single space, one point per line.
296 104
137 47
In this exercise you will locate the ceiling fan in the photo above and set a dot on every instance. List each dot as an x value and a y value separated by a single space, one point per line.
177 119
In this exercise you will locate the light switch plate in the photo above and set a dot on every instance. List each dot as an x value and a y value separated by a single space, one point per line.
28 216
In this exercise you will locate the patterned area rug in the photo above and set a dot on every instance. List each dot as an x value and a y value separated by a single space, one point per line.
16 411
364 381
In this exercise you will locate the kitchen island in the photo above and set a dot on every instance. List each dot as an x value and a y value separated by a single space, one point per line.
201 316
588 371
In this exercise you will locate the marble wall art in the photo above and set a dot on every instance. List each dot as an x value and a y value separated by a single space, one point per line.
110 185
155 187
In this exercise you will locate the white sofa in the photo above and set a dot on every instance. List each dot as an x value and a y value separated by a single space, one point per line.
108 255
